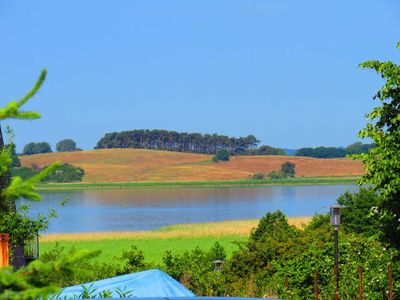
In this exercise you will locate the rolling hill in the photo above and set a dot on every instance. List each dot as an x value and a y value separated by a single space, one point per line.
128 165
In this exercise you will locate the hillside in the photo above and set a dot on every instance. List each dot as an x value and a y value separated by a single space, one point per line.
124 165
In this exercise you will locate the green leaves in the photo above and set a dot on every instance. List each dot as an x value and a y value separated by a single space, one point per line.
26 283
11 110
25 189
382 164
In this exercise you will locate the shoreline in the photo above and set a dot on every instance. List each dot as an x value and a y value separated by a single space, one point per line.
208 229
190 184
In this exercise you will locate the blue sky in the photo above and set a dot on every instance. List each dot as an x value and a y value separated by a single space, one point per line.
285 71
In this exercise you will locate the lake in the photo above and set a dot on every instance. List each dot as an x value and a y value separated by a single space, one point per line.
146 209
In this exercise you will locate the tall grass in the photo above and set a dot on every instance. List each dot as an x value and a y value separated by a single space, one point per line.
176 238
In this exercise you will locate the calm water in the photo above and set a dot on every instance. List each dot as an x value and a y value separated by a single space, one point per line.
145 209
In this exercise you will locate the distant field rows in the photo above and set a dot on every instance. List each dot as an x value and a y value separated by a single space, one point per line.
136 165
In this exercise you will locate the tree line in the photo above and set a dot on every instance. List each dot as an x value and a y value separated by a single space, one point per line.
177 141
65 145
334 152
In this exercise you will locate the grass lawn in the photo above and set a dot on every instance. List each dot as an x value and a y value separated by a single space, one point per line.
152 248
176 238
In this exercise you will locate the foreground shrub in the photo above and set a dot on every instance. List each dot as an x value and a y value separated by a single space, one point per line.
197 271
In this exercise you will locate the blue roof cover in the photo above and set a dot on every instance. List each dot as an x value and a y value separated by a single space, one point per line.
150 283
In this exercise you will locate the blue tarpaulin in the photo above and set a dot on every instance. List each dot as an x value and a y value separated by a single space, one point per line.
151 283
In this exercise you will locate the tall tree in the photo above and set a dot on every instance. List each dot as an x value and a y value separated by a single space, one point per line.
66 145
382 163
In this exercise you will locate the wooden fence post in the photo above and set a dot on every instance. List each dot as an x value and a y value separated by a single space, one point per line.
390 282
315 286
4 250
360 287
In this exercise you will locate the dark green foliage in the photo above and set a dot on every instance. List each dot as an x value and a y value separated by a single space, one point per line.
272 225
196 271
36 148
217 252
64 173
268 150
276 175
221 155
264 150
258 176
361 215
133 259
66 145
176 141
276 250
382 163
88 270
23 227
334 152
27 283
358 148
23 172
288 169
15 162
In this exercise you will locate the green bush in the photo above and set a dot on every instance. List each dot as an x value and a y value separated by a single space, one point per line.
276 175
288 169
361 212
222 155
196 270
64 173
23 172
258 176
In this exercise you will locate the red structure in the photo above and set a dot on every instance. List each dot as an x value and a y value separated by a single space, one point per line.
4 250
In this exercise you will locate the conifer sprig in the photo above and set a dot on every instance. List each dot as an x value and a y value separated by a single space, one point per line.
11 110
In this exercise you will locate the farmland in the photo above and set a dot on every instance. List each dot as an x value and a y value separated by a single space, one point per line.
136 165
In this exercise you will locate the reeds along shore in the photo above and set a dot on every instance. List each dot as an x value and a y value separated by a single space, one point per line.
214 229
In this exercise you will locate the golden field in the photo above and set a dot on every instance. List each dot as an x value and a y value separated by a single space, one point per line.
136 165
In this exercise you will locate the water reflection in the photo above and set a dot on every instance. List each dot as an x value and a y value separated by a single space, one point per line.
145 209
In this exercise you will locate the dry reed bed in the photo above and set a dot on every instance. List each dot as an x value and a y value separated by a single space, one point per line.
226 228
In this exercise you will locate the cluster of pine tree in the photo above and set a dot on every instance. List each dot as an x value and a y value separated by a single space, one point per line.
177 141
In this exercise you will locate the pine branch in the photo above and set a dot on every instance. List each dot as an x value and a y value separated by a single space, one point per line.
11 110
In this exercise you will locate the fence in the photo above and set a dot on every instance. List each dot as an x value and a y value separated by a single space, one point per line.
336 294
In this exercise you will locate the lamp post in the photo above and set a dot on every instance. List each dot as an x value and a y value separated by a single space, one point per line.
335 221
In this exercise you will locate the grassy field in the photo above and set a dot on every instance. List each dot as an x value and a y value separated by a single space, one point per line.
176 238
149 166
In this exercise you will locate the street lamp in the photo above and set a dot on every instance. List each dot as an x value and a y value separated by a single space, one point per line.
335 221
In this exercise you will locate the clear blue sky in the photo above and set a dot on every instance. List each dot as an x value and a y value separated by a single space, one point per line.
285 71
